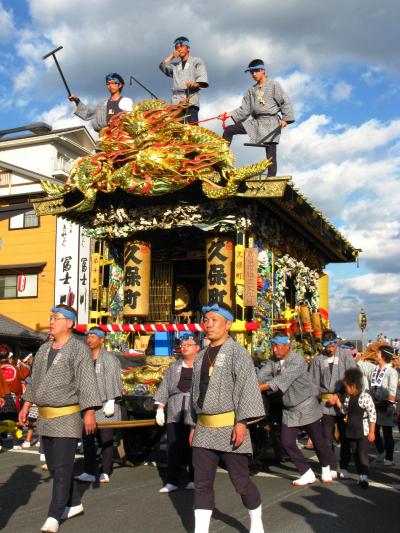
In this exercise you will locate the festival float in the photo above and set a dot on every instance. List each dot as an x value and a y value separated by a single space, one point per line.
177 226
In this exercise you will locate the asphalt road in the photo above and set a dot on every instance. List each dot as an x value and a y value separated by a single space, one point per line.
131 502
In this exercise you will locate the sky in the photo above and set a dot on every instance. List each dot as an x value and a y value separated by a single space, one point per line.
338 61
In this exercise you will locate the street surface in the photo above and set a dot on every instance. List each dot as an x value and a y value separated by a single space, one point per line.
131 502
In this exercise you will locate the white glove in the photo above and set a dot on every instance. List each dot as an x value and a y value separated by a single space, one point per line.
160 417
109 408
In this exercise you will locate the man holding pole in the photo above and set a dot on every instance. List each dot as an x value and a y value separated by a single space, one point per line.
268 110
108 375
105 110
64 388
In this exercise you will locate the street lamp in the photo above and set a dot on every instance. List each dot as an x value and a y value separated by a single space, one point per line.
362 324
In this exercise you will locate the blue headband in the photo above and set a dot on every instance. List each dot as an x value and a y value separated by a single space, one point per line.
68 314
256 67
185 42
96 331
280 340
217 309
328 343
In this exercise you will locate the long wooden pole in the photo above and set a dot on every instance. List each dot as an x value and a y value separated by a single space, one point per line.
127 424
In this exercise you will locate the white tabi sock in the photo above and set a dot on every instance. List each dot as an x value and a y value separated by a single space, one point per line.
256 525
202 519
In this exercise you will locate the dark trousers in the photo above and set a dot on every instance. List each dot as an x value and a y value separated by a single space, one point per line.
387 444
60 457
106 442
179 452
359 449
191 113
270 148
289 435
328 430
205 464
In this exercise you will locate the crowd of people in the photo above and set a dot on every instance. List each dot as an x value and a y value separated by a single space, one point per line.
213 395
209 400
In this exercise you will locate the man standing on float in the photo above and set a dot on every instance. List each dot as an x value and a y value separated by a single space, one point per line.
189 76
225 398
101 114
268 110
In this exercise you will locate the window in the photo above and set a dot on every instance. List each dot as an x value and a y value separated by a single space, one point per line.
9 289
24 220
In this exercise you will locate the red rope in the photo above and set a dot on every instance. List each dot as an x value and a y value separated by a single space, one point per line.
224 119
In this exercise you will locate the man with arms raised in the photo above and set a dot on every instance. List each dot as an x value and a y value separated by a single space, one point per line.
225 397
65 390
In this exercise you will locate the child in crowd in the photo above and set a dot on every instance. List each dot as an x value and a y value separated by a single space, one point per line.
360 420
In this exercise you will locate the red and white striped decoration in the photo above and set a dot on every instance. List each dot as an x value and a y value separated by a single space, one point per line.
152 328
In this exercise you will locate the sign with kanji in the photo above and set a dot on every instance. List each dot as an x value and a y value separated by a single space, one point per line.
72 268
137 265
250 277
219 253
67 259
83 278
239 264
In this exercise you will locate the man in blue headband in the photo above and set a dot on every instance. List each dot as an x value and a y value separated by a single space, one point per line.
287 372
264 111
225 398
101 114
189 76
64 388
327 372
108 376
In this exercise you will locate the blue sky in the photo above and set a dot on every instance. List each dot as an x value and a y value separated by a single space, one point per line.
338 62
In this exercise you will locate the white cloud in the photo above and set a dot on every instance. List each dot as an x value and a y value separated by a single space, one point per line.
61 116
382 284
341 91
6 23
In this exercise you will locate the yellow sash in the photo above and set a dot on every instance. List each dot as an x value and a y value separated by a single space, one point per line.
55 412
326 396
217 421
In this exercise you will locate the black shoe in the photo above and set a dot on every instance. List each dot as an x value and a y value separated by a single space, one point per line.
363 484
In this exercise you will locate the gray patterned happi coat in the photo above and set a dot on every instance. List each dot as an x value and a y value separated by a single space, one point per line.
326 381
300 404
70 380
264 117
108 375
169 394
233 386
194 70
98 114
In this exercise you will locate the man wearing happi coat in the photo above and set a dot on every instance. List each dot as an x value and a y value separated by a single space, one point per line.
287 372
189 76
101 114
64 388
108 375
225 398
265 110
327 372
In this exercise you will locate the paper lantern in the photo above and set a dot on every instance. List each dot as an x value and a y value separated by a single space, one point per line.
219 253
137 265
